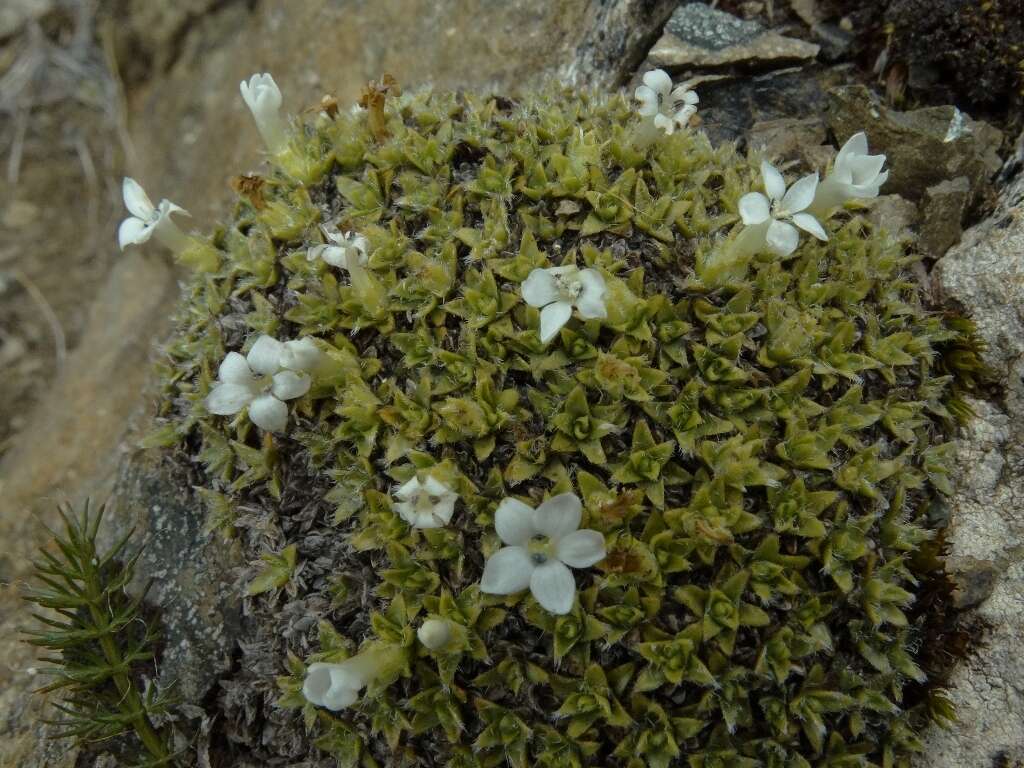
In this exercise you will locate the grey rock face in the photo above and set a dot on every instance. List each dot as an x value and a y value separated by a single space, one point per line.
698 36
944 206
192 573
985 276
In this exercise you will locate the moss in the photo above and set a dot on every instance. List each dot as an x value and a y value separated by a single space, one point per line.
759 441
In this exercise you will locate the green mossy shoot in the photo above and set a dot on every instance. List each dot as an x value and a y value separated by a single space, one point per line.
758 440
100 641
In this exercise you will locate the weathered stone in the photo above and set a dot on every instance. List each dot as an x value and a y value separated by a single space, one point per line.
698 36
896 215
984 276
943 208
192 572
15 14
924 146
729 106
789 139
616 37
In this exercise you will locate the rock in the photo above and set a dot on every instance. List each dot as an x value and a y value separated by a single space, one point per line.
15 14
924 146
192 572
943 207
700 37
984 276
896 215
729 106
790 139
616 37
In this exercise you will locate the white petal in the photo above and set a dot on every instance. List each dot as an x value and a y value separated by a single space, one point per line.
665 123
754 208
136 200
335 255
648 101
682 117
133 231
591 300
300 354
268 413
774 184
235 370
558 516
801 194
552 318
167 208
854 146
539 288
228 399
865 169
339 698
808 223
288 385
441 513
553 587
407 511
514 522
507 571
434 633
435 487
685 95
265 355
869 190
317 683
408 489
581 549
658 81
317 251
782 238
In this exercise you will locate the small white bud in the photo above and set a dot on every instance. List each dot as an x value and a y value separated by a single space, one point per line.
435 634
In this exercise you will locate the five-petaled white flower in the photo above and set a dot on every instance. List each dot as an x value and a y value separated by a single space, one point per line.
263 98
337 686
558 289
271 373
543 543
147 220
346 250
666 107
775 212
429 504
854 174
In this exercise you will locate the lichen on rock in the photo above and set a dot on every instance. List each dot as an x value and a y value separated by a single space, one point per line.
756 442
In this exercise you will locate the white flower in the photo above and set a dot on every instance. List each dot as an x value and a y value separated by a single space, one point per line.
147 220
775 212
558 290
347 251
855 174
263 98
271 373
337 686
543 543
667 108
429 504
300 354
435 634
